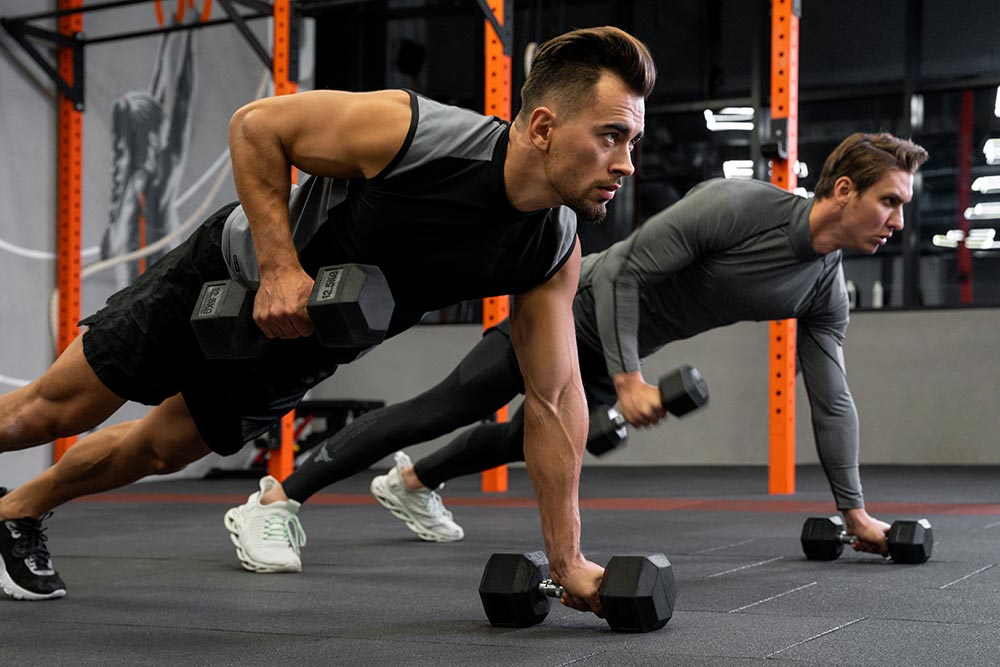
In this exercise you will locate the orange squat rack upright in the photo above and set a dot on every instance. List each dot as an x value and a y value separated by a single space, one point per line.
784 122
498 91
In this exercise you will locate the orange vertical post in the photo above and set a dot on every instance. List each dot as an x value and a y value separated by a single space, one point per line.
497 103
282 460
784 108
70 196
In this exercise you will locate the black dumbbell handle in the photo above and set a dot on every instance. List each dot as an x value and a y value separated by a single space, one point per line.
550 589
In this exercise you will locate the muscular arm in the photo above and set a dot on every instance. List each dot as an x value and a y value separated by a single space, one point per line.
324 133
555 419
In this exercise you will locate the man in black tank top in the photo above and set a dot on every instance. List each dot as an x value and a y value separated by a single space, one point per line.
582 113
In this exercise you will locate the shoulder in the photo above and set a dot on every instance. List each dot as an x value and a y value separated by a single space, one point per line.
731 191
442 131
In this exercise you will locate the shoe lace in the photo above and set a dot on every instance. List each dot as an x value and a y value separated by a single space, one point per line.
31 541
285 529
434 506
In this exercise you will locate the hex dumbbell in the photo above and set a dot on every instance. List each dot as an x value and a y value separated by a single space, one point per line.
637 592
911 541
350 306
681 391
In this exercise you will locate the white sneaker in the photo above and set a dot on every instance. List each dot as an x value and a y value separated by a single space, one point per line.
267 537
422 511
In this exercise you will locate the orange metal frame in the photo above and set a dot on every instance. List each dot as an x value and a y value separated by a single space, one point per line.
498 92
70 189
781 385
70 208
282 460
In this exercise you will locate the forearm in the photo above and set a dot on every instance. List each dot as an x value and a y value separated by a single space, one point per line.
838 454
554 439
262 175
834 415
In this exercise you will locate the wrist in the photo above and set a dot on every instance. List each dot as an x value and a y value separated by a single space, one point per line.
854 518
559 566
627 379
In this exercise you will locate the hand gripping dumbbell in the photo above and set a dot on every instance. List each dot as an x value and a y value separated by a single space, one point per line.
350 306
823 538
637 592
681 391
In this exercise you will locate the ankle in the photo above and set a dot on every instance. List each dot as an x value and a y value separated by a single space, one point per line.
12 510
410 480
276 494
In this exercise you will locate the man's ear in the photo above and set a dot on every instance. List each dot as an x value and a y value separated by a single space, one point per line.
540 125
842 189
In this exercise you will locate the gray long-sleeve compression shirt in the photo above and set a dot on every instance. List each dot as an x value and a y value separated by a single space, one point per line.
730 251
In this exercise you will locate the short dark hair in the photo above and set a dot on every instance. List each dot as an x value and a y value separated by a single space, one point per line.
865 158
565 68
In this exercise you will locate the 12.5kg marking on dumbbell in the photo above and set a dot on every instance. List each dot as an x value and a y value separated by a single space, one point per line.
350 306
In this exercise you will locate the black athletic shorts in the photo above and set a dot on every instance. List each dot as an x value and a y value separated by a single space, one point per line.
142 347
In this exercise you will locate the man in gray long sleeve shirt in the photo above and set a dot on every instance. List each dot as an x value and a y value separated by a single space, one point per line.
729 251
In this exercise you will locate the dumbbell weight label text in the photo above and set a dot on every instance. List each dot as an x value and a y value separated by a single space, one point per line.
328 288
213 297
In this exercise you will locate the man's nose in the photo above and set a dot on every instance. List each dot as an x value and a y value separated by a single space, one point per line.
623 163
896 221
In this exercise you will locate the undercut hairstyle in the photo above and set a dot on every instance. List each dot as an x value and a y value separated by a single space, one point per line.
567 67
865 158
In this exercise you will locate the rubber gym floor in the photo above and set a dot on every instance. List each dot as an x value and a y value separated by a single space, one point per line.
153 580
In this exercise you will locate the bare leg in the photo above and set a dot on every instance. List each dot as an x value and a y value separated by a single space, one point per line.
163 441
66 400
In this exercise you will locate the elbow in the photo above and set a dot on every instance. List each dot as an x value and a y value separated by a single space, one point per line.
244 122
238 122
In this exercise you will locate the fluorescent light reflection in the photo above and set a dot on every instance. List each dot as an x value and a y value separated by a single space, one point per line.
992 151
988 185
987 211
978 239
738 169
730 118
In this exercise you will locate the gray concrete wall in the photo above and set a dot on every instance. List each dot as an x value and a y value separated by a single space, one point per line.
925 384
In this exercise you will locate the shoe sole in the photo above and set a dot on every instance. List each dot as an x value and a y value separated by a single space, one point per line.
400 512
18 593
234 524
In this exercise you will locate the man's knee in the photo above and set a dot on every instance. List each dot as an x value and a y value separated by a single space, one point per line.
171 437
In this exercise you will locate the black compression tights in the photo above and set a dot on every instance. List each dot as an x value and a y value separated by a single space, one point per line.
486 379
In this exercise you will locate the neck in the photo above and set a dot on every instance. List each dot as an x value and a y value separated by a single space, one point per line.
824 226
524 177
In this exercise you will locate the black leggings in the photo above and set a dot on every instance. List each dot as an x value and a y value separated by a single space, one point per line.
484 381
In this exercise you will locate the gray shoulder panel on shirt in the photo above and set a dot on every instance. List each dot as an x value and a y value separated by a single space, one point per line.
567 241
446 131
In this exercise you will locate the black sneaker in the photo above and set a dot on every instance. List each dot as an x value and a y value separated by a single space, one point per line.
25 569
